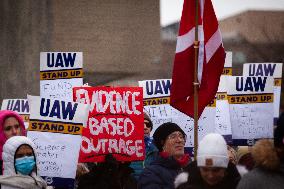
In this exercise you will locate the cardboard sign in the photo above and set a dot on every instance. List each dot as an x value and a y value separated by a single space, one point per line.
55 128
59 73
156 102
251 108
21 106
267 69
115 125
222 120
228 64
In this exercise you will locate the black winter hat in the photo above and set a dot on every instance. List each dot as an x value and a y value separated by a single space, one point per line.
146 117
279 132
163 131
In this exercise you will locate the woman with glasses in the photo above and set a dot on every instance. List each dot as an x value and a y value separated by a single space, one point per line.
11 124
150 150
170 140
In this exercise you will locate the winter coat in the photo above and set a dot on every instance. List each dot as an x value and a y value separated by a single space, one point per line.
269 170
191 179
151 153
108 175
3 115
11 179
160 174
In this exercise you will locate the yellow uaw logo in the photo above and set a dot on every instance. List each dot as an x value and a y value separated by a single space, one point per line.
25 117
156 101
277 82
250 99
212 103
227 71
61 74
55 127
221 96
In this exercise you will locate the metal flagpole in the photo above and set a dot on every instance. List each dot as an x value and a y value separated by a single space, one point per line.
195 83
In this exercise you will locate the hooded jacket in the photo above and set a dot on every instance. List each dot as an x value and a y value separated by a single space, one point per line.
269 169
151 152
161 173
11 179
191 179
4 114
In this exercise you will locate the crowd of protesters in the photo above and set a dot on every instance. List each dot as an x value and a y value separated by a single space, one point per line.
166 165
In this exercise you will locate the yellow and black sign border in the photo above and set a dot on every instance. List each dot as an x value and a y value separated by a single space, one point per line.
221 96
80 75
227 71
146 101
258 96
278 82
64 124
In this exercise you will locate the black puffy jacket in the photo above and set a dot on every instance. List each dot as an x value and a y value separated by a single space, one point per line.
160 174
195 181
108 175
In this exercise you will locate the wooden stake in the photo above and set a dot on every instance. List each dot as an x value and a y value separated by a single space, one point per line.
195 83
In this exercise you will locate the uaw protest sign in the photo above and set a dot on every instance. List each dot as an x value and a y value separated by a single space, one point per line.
55 128
21 106
59 73
251 108
222 120
156 101
269 70
115 124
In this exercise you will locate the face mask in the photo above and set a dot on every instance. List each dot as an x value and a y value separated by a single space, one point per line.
25 164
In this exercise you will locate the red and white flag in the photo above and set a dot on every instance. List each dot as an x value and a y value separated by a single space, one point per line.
211 58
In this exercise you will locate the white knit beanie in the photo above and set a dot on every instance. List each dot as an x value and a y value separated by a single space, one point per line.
212 151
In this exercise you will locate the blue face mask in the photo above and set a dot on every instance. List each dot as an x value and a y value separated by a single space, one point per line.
25 164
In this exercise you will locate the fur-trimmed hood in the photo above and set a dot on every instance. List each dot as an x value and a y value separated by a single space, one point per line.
191 178
9 151
10 178
268 172
265 155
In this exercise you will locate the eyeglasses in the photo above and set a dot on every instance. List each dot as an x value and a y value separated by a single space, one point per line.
175 136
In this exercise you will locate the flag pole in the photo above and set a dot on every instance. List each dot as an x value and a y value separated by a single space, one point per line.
195 82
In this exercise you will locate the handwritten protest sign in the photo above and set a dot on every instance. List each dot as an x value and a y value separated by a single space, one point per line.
267 69
115 125
251 108
156 100
55 128
21 106
59 73
222 121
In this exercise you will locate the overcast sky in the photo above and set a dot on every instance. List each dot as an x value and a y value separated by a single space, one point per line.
171 9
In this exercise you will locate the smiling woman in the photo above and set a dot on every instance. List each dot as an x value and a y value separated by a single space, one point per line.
212 169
